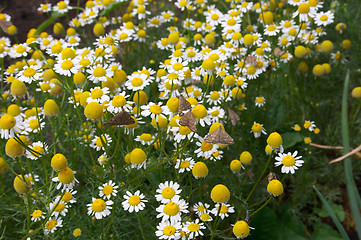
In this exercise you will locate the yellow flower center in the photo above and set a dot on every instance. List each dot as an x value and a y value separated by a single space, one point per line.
7 121
155 109
98 205
99 141
215 113
256 128
193 227
134 200
20 49
99 72
178 66
304 8
184 130
214 16
137 81
107 190
215 95
171 209
60 207
323 18
231 22
34 123
67 65
168 192
38 150
62 5
169 230
288 161
185 164
51 224
260 99
96 93
271 28
37 213
199 111
119 101
206 146
67 197
29 72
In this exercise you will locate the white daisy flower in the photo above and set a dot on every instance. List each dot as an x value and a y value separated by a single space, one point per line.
172 210
193 229
223 211
108 189
134 202
167 191
99 208
185 164
169 230
58 208
37 215
52 224
290 162
137 81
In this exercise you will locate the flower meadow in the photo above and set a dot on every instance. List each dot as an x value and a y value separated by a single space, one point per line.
185 119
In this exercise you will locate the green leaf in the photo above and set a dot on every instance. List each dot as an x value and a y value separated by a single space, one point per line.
338 209
332 214
269 225
290 139
265 224
324 231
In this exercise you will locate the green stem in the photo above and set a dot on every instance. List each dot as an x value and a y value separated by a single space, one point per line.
259 178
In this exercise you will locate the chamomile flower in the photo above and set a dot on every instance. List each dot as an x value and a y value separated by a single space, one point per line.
304 11
172 210
108 189
62 6
68 196
258 129
99 95
10 125
99 143
260 101
38 148
52 224
185 164
66 179
193 229
58 208
216 113
144 139
310 125
205 149
137 81
99 73
46 7
155 110
201 208
167 191
201 115
99 208
67 67
169 230
120 103
224 211
290 162
134 202
30 74
214 98
37 215
183 133
33 125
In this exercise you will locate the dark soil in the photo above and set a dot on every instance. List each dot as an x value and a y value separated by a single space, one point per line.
24 15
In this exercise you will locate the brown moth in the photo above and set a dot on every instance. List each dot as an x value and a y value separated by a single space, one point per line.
184 105
219 136
4 25
278 52
121 118
271 176
251 60
233 116
189 120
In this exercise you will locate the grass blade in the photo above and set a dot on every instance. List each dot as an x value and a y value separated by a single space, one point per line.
350 183
339 227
